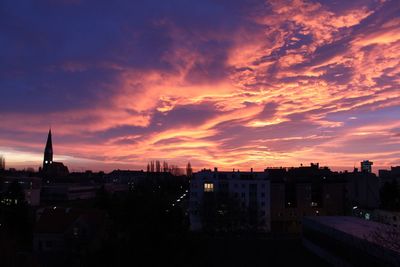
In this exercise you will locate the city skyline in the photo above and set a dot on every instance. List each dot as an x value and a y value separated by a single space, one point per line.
232 84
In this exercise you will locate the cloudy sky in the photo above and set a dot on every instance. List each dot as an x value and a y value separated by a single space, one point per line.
227 83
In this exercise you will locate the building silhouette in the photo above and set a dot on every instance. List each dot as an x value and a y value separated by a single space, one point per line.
366 166
51 169
48 153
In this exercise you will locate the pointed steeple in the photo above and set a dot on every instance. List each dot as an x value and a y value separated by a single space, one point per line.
48 152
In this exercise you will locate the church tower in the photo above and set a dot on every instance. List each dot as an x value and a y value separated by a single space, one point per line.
48 153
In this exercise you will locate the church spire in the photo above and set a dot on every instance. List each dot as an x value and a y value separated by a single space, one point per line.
48 152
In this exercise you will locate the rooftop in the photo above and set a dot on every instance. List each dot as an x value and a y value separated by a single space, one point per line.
353 226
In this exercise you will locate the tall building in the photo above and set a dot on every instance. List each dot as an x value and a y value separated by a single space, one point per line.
48 153
366 166
2 163
50 168
235 200
304 191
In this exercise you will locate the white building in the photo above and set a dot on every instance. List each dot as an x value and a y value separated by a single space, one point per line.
248 190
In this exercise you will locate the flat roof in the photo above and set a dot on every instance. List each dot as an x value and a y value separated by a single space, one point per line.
356 227
351 225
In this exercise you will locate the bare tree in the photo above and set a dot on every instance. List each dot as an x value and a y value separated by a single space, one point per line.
189 170
165 167
151 166
158 166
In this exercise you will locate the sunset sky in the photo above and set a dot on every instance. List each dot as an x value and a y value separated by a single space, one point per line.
227 83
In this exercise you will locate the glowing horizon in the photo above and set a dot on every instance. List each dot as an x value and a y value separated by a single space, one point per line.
231 84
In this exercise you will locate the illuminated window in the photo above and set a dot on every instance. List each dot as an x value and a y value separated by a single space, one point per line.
314 204
208 187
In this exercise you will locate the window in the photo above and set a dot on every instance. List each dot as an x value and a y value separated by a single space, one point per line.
262 194
208 187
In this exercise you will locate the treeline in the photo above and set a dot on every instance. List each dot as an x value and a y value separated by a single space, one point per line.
158 167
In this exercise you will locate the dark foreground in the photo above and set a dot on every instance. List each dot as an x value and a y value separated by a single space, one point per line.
202 250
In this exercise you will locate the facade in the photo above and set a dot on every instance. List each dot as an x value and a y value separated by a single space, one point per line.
366 166
362 189
348 241
64 232
245 192
119 181
30 185
390 175
125 177
66 192
304 191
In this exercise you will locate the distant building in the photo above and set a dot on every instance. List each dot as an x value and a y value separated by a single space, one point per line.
390 175
246 191
64 232
30 185
126 177
366 166
2 163
51 169
68 191
362 189
348 241
119 181
304 191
